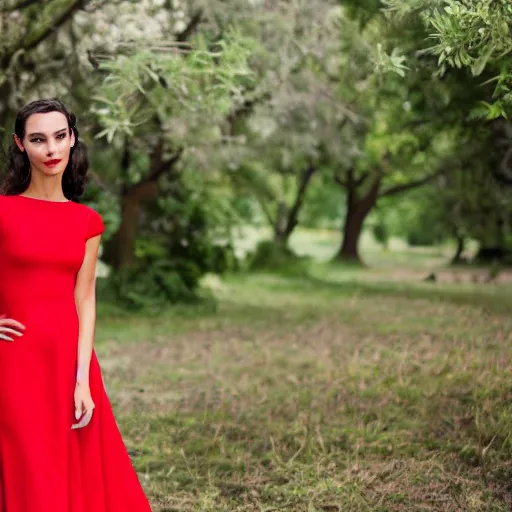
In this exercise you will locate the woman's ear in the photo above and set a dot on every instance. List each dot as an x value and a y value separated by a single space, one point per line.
18 142
73 138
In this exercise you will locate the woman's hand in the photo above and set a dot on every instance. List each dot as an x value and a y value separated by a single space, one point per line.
10 327
83 405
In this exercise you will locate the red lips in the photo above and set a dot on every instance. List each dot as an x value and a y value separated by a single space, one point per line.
51 163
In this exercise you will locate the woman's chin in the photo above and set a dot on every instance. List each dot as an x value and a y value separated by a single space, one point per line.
52 171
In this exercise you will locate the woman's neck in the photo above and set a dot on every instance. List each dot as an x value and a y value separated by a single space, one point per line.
49 189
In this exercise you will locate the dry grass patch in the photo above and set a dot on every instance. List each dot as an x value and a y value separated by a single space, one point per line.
316 400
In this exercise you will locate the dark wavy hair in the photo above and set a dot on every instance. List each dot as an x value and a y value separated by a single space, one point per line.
17 172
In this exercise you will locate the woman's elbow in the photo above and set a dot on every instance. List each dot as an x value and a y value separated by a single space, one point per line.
85 297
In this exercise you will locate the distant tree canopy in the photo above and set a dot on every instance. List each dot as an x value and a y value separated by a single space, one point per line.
471 42
202 115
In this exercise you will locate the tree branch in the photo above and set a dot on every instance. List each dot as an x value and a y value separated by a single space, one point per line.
164 166
32 41
340 181
244 109
398 189
369 200
192 24
306 176
360 181
349 183
54 24
266 211
16 6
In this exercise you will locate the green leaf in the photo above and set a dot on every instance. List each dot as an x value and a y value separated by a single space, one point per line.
479 66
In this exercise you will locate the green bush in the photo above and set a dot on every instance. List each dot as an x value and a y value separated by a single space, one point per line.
418 237
425 230
153 285
159 277
381 233
271 256
223 259
182 237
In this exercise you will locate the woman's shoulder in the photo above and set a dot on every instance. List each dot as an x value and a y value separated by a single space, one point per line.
7 201
94 220
87 208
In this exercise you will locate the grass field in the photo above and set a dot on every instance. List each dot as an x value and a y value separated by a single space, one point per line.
345 390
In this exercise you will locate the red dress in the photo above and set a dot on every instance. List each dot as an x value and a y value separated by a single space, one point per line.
45 466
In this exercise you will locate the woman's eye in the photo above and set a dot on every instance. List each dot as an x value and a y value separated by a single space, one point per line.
37 140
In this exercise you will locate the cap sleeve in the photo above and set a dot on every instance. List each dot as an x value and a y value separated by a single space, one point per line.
95 225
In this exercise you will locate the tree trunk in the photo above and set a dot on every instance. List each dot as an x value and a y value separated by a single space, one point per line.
349 250
119 251
281 238
457 258
357 211
281 235
288 218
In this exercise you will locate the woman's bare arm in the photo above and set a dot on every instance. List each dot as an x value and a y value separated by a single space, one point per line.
85 300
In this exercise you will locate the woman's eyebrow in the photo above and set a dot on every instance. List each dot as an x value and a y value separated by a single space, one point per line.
42 134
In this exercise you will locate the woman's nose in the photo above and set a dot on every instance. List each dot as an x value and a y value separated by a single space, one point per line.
50 148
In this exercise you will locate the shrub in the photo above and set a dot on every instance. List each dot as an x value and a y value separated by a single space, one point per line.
275 257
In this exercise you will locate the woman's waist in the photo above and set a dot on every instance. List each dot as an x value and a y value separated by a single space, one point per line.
36 298
58 311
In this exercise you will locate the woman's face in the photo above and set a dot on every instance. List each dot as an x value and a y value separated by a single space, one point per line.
47 142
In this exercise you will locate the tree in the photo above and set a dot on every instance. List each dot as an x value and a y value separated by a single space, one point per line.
472 44
160 102
282 123
389 144
472 34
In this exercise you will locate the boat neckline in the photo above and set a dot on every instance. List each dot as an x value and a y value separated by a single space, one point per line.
42 200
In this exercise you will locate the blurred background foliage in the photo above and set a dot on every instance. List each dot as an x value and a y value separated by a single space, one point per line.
204 119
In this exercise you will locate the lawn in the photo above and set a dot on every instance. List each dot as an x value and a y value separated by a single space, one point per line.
345 390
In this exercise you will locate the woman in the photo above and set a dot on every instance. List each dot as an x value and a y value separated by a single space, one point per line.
60 448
